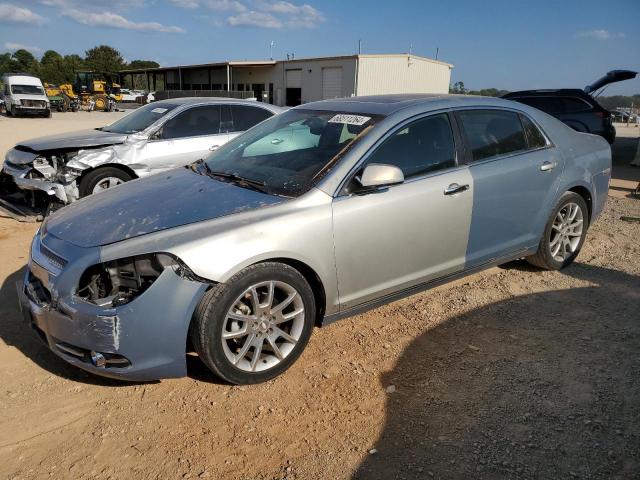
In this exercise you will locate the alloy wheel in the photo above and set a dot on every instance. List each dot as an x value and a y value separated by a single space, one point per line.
105 183
263 326
566 232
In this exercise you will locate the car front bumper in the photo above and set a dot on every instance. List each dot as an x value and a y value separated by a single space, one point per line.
21 177
141 341
19 110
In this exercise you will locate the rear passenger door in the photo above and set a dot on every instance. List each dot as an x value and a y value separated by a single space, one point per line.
516 172
240 118
190 135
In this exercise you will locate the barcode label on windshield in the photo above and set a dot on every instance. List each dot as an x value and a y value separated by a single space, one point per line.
349 119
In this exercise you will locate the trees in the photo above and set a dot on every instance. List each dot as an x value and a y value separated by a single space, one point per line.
104 59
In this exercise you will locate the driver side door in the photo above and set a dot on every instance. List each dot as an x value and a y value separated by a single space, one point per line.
401 236
189 136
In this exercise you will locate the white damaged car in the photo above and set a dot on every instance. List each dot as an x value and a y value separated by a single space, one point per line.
149 140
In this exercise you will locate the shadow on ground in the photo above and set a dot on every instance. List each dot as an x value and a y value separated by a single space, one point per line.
537 386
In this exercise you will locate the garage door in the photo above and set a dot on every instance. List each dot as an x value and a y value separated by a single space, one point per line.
294 78
331 82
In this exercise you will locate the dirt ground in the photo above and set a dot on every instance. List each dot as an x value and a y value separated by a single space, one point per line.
511 373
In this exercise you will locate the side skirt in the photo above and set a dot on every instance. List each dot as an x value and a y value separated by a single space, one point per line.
392 297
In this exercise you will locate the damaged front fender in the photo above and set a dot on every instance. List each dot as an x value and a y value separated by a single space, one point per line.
127 154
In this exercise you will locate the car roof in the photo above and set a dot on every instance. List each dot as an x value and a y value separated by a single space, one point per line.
389 104
214 101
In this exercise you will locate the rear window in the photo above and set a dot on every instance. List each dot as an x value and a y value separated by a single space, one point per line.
491 133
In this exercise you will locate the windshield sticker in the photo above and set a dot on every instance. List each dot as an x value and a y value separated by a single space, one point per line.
158 110
349 119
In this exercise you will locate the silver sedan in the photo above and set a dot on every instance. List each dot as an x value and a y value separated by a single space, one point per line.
319 213
149 140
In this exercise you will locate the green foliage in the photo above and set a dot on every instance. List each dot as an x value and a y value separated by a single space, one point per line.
489 92
616 101
104 59
458 88
56 69
143 64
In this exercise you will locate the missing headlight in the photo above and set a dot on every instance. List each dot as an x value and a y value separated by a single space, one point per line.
120 281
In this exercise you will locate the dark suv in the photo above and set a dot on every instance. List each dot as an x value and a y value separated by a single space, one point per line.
577 108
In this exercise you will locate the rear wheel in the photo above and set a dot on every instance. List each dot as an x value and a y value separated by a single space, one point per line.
102 179
564 234
254 327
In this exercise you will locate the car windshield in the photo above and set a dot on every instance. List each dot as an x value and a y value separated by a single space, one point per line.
289 153
140 119
26 90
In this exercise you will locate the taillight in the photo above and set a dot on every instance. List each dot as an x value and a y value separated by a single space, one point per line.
604 114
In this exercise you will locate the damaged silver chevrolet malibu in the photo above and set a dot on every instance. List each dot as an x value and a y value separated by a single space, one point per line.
321 212
151 139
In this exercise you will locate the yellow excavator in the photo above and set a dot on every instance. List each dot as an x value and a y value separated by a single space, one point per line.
93 90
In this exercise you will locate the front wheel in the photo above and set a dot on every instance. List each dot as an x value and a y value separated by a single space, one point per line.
102 179
254 327
564 234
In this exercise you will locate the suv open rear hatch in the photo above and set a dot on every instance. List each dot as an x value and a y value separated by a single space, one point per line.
610 77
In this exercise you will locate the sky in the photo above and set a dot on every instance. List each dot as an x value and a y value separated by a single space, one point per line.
510 45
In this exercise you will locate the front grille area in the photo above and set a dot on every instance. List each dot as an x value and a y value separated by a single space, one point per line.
54 258
33 103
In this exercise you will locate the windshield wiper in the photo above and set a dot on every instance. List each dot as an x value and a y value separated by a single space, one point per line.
257 185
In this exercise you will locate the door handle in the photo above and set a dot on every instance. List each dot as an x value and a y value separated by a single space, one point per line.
548 166
455 188
277 141
214 147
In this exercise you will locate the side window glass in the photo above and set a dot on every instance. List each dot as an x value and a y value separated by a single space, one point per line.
245 117
490 133
550 105
193 122
421 147
535 138
575 105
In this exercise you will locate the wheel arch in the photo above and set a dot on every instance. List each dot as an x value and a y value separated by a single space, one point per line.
312 278
128 170
586 195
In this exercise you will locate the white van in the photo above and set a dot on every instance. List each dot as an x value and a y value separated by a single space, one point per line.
25 95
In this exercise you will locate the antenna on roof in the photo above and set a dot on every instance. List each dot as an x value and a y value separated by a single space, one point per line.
271 45
359 46
437 52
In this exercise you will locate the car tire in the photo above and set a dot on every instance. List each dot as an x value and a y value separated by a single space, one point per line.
564 234
257 330
109 175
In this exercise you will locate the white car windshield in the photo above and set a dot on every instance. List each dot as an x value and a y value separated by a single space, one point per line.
290 152
26 90
141 118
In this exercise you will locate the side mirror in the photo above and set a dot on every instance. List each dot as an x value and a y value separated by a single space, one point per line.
376 175
157 135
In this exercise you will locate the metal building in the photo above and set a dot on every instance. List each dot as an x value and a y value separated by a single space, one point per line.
295 81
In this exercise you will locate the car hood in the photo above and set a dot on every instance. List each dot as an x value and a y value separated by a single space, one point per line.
155 203
610 77
72 141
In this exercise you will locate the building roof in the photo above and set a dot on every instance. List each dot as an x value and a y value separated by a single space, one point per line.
269 63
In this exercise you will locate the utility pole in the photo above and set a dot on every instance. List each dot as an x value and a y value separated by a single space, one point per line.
437 52
271 45
359 46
